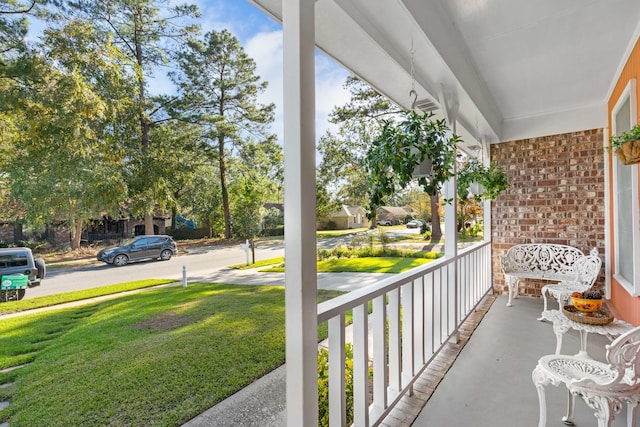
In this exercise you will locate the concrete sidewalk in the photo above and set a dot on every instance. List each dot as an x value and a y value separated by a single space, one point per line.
261 404
346 282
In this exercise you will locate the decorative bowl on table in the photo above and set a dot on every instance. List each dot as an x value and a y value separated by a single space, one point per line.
598 317
587 305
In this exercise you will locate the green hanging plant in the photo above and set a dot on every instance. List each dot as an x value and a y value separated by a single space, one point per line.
402 147
493 181
627 145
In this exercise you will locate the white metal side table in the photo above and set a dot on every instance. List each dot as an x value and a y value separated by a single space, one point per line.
561 324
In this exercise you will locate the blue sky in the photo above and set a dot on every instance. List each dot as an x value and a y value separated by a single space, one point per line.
261 38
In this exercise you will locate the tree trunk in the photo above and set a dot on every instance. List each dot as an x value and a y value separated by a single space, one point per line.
373 219
148 224
223 186
207 225
145 125
436 231
77 233
17 232
174 214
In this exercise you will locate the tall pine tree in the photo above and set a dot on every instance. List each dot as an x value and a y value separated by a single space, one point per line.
219 90
143 29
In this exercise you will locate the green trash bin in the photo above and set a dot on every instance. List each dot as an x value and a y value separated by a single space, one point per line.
13 282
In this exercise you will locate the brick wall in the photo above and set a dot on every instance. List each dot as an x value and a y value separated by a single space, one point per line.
556 196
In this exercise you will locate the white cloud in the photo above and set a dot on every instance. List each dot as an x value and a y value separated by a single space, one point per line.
261 38
266 49
330 79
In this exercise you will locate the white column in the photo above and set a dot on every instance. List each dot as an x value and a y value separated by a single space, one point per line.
300 212
450 105
486 207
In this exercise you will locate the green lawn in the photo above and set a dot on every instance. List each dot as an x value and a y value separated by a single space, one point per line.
325 234
29 304
158 357
362 265
370 265
258 264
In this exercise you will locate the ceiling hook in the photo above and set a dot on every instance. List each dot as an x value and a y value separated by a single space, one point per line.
415 98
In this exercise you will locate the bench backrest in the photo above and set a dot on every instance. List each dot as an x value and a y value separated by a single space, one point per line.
623 355
542 260
588 269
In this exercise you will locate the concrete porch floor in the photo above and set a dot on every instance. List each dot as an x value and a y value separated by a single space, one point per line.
489 381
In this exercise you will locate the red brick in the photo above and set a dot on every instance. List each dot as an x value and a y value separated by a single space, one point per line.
557 195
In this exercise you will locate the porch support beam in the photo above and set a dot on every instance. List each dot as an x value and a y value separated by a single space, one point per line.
300 212
450 105
486 206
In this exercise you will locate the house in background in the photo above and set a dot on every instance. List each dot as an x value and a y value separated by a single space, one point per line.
395 214
345 218
123 227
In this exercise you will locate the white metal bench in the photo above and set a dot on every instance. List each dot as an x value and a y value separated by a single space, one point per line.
540 261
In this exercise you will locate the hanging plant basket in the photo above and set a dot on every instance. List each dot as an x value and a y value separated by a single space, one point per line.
424 169
476 188
629 152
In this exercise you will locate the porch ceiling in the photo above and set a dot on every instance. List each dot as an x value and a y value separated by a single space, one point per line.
514 68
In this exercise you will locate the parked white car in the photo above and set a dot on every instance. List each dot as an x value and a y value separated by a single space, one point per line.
416 223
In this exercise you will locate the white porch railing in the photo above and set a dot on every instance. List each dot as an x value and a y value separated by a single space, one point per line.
413 315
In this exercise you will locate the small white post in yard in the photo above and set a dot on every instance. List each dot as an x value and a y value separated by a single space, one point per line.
245 247
184 276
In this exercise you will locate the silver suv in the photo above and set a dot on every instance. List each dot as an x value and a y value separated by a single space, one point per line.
19 270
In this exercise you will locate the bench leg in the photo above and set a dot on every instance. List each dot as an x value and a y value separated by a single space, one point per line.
571 404
513 288
540 381
544 297
632 414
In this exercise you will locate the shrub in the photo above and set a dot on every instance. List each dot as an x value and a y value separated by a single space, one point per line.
358 241
364 252
476 229
323 385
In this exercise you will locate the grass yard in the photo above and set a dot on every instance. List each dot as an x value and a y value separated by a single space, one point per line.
325 234
258 264
362 265
158 357
370 265
29 304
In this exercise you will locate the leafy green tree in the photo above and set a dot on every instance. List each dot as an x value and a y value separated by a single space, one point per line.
272 218
13 29
400 148
341 169
325 204
204 206
183 158
247 208
264 161
61 163
257 172
219 89
143 29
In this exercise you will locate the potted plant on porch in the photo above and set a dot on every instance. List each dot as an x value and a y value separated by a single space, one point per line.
627 145
481 182
417 146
